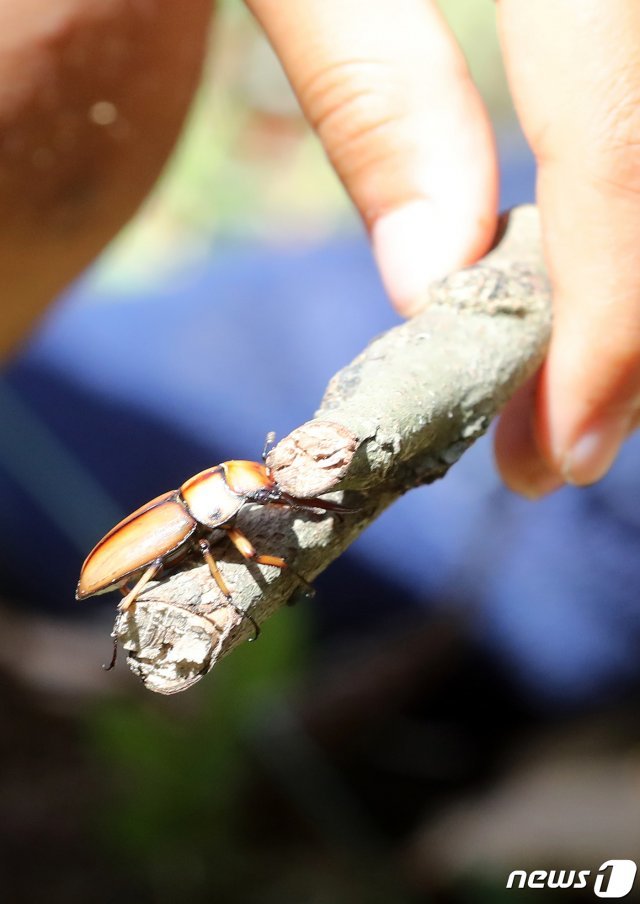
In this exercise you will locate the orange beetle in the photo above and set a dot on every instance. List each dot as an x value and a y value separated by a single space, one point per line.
168 528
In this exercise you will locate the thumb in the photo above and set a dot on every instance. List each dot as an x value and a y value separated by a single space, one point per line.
388 92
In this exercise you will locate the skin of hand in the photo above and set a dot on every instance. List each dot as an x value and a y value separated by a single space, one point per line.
94 93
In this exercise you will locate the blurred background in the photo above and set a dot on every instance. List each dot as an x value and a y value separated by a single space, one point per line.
426 725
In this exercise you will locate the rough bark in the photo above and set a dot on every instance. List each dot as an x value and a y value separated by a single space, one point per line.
395 418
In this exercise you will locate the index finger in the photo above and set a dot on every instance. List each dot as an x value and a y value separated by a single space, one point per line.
389 94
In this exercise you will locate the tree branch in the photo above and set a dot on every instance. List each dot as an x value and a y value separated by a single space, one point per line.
397 417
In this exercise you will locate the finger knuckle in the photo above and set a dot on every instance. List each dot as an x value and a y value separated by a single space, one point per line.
356 109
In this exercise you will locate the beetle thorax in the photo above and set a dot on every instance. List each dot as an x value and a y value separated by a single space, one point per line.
209 499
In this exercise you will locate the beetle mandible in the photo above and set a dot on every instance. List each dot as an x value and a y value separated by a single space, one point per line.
169 527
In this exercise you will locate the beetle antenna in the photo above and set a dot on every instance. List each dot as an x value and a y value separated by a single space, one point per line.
269 443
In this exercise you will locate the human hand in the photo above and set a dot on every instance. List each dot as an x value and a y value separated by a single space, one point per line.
92 97
389 94
574 69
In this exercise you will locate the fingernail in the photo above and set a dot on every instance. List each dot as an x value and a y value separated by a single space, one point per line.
594 452
415 245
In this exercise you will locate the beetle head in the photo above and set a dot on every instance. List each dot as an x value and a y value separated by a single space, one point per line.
247 478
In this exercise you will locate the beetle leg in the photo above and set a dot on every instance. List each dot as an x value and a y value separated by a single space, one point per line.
315 503
246 549
114 655
207 555
125 604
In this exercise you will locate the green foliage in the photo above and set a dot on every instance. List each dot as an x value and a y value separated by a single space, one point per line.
175 769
